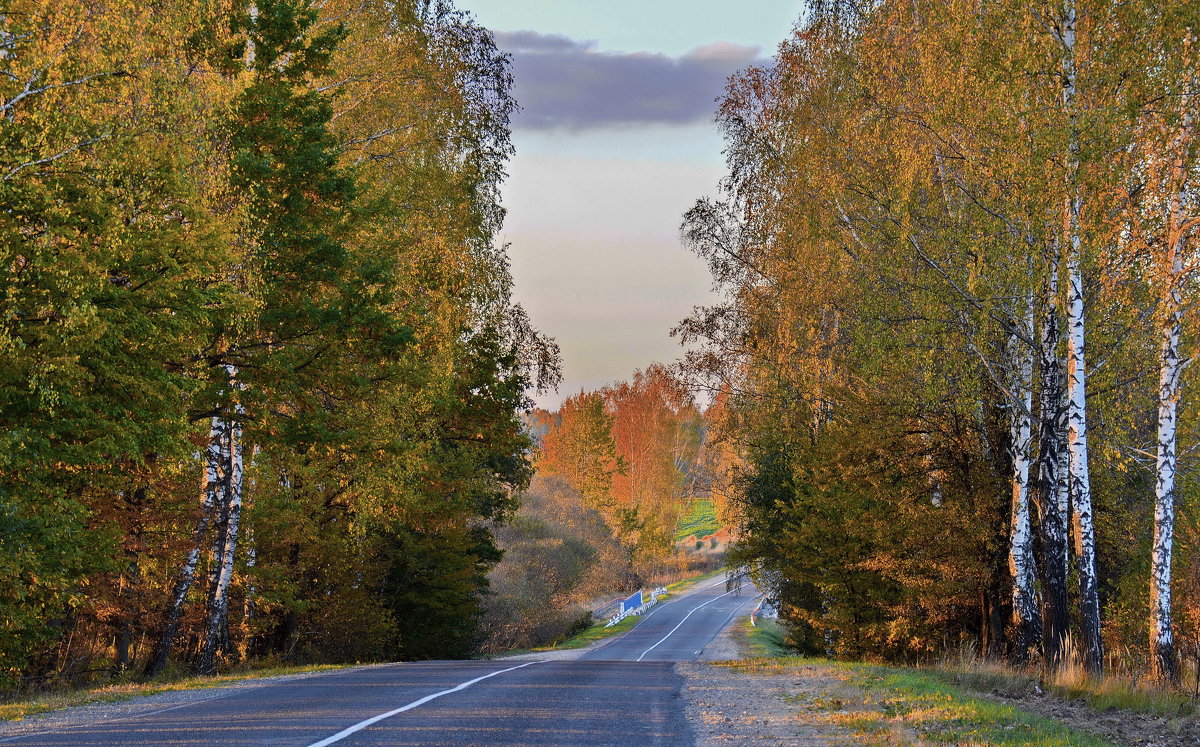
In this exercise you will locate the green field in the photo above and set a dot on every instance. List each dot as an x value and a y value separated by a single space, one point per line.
700 519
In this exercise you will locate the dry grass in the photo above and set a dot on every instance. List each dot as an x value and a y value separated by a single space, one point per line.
1118 688
898 705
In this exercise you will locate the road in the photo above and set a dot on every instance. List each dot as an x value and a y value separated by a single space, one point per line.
623 692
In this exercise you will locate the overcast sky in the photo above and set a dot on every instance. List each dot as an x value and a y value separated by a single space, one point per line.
614 143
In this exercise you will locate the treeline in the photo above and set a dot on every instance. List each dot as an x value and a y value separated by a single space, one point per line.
260 369
638 453
958 245
616 468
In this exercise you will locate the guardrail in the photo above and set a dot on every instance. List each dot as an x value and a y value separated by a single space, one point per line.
766 608
632 605
604 610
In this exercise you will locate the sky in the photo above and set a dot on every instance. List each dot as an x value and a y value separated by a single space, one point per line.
615 141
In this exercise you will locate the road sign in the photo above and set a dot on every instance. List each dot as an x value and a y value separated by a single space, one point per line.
632 603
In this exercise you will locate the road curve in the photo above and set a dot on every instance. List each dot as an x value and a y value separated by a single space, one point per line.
624 692
680 629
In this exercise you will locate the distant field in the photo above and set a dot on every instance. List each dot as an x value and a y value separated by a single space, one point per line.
700 520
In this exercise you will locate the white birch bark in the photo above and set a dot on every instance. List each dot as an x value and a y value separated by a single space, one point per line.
225 464
1026 617
187 574
1052 471
1162 644
1081 489
250 51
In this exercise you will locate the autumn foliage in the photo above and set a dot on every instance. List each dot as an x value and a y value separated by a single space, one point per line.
932 211
261 373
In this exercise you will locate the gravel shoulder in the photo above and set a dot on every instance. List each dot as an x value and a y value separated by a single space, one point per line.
759 696
732 702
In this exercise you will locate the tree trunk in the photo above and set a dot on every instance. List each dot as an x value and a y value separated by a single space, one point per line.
1163 665
122 643
228 469
1081 488
1026 616
1162 646
1051 475
187 574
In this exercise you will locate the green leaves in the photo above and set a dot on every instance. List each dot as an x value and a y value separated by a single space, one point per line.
308 195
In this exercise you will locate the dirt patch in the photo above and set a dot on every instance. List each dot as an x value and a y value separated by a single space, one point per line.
764 702
777 705
1118 726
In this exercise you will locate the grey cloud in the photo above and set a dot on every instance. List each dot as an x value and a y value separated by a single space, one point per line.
524 42
566 84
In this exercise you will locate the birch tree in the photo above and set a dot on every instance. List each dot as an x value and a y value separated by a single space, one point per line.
1076 359
1169 169
1052 481
1026 612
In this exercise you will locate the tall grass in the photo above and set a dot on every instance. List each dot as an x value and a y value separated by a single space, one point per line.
1125 685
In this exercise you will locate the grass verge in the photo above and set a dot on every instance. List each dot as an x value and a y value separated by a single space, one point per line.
900 704
890 705
767 638
593 634
924 703
118 692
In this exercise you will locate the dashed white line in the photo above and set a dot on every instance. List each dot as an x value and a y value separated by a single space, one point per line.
681 622
376 719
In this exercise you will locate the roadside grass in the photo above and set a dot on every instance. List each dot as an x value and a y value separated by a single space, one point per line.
896 704
906 704
1115 690
923 702
766 639
597 632
117 692
700 520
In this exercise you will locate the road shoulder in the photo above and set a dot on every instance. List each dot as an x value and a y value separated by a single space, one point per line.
131 706
759 696
731 698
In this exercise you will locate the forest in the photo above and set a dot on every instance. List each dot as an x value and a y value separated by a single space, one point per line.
619 472
266 395
261 372
956 246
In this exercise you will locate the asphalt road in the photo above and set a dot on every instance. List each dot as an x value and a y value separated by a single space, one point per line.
624 692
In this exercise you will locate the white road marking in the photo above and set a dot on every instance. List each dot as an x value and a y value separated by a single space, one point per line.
686 594
376 719
681 622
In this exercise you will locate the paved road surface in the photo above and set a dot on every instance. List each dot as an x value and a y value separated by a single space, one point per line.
624 692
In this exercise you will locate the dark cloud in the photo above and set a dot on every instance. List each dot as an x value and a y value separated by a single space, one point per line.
566 84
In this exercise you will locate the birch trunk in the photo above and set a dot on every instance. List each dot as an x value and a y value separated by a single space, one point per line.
228 468
1081 489
187 574
1052 474
1026 616
1162 645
